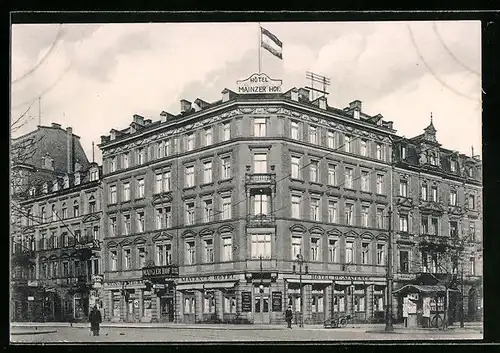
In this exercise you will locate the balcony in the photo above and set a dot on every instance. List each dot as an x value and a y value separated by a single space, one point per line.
403 237
404 201
431 206
456 210
23 257
260 179
434 241
261 220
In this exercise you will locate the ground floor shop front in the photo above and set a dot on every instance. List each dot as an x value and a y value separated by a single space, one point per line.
245 298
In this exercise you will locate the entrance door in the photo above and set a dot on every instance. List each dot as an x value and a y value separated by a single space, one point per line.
167 309
261 309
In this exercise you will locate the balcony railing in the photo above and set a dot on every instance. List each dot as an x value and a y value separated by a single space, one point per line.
261 220
433 239
260 178
404 201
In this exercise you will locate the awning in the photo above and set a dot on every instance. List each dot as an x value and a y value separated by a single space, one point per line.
418 288
219 285
308 281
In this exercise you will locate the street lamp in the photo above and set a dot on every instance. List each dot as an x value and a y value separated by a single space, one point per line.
125 295
261 286
389 275
300 261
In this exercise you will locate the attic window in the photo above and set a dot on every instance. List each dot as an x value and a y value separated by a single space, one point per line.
453 165
45 188
403 152
32 191
66 182
94 175
77 178
356 114
55 186
432 158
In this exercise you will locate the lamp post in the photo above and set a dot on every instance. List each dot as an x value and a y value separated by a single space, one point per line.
261 286
389 275
300 261
125 297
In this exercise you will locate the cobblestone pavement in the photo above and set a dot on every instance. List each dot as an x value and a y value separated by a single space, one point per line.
117 334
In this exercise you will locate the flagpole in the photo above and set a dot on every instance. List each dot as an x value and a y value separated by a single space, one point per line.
259 43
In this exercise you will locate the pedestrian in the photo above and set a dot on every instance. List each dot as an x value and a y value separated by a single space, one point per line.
95 319
289 316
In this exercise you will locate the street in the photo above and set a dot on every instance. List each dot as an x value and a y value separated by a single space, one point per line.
198 335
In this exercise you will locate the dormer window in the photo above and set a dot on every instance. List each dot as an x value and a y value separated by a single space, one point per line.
94 175
356 114
55 185
112 164
45 188
453 165
66 182
77 178
432 158
32 191
403 152
470 172
140 156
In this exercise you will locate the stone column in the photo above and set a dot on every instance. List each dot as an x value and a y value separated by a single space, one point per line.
307 302
141 305
370 307
219 304
327 301
198 305
179 307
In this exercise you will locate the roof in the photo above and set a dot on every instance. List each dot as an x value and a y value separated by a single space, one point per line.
420 288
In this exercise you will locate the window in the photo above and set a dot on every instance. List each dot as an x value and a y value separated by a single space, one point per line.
126 224
425 225
189 178
434 193
296 246
190 138
349 214
260 204
158 183
434 262
453 229
112 226
332 211
66 182
453 165
140 222
113 262
64 211
226 168
313 135
226 131
54 213
364 216
207 172
332 178
403 223
125 160
313 172
315 249
140 188
379 151
159 149
141 255
112 194
140 156
95 232
472 230
434 226
432 158
295 167
403 188
347 143
380 218
189 213
167 178
380 254
226 207
94 175
259 127
363 150
423 190
453 198
208 136
472 262
332 250
404 261
190 252
208 244
167 145
365 181
260 163
380 184
365 252
315 210
470 172
227 248
349 178
294 130
331 140
295 206
126 191
126 259
472 202
189 305
163 254
261 245
208 213
403 153
112 164
92 208
160 218
349 252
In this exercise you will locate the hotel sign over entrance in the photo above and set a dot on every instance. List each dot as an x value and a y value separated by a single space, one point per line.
259 83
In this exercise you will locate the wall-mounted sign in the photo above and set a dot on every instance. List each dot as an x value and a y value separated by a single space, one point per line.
160 271
31 299
341 277
259 83
211 278
405 276
32 284
246 302
277 301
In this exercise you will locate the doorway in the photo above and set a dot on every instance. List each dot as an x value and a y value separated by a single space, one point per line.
261 309
166 309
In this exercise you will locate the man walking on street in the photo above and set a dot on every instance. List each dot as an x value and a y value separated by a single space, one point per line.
95 319
289 316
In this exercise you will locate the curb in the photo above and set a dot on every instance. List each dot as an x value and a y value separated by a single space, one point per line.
32 333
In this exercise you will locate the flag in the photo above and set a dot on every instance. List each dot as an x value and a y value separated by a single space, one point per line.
270 42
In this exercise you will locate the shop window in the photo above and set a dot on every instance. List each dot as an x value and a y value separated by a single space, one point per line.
189 305
209 303
317 302
229 304
359 303
404 263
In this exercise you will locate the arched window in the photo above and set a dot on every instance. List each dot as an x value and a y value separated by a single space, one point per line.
432 158
54 213
76 209
43 215
91 204
64 211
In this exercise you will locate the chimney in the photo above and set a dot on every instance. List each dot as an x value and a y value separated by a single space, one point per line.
112 134
166 116
322 102
69 149
185 105
303 94
138 120
147 122
355 105
226 95
294 94
201 103
56 125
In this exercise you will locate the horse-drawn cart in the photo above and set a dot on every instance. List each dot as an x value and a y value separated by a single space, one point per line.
335 322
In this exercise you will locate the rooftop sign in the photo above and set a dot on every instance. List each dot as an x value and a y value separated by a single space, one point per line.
259 83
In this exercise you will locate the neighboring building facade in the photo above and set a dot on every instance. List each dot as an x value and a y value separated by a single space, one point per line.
55 240
205 212
438 202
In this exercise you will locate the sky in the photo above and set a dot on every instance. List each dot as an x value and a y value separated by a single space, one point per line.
95 77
